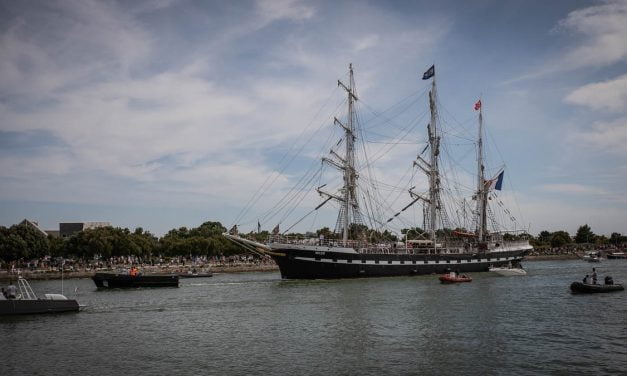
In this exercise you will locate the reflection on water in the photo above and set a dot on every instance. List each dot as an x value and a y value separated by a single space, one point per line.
257 323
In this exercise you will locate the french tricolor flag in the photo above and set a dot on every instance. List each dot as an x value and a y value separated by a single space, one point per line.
497 182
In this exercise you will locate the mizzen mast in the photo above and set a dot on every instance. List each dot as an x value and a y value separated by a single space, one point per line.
482 190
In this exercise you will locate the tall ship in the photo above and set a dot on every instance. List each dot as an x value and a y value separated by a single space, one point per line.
456 233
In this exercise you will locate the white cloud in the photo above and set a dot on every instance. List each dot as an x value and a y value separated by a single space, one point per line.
573 189
366 42
604 136
601 32
182 134
604 28
293 10
609 95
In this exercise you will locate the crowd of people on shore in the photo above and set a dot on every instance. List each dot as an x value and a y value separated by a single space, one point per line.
174 264
576 250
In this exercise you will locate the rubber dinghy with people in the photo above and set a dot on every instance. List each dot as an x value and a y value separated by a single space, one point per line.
585 287
454 277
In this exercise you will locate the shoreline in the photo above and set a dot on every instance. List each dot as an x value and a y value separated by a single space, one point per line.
215 269
33 275
552 257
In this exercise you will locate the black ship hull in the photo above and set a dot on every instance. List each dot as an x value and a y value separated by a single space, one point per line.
28 307
195 275
307 264
113 280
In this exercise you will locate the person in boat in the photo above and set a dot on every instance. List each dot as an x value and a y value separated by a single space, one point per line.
609 280
3 296
133 272
11 291
585 279
594 276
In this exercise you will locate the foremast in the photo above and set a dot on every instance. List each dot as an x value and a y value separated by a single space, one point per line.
349 209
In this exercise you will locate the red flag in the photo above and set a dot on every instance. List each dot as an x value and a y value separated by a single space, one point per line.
478 105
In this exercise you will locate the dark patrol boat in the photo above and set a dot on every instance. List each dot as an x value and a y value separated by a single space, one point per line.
357 248
26 302
126 280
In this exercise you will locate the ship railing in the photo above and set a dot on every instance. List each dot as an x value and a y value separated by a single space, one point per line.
283 239
519 234
513 243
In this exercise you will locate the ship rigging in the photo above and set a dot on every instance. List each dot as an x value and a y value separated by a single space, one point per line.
362 243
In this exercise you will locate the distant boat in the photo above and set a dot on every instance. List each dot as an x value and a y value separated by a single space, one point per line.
195 275
617 255
126 280
454 278
588 288
27 302
505 271
592 256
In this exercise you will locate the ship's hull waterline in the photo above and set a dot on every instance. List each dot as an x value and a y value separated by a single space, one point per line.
300 264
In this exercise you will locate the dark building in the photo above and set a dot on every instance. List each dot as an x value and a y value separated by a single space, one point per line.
69 229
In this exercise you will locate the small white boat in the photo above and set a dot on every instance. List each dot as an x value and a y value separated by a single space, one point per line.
508 271
592 256
617 255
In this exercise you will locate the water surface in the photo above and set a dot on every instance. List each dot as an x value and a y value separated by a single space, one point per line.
256 323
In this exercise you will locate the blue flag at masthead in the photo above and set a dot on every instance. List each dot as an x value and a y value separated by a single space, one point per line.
429 73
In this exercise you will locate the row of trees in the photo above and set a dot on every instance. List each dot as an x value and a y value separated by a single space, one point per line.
22 242
584 235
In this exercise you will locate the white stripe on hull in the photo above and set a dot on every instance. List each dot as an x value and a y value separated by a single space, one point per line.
383 263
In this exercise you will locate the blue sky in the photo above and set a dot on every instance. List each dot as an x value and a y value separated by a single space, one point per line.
169 113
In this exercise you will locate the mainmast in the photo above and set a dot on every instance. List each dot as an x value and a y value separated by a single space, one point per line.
430 214
434 174
481 188
349 170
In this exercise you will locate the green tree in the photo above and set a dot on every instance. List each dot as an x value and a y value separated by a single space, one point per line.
616 238
584 235
601 240
326 232
14 248
414 233
560 238
544 237
22 242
